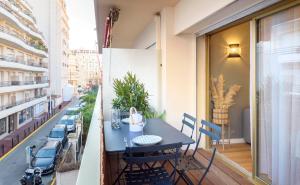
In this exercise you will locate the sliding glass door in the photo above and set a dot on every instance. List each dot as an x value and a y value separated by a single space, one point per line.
278 93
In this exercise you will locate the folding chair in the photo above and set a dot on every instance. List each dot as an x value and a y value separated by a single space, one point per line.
190 122
138 171
189 162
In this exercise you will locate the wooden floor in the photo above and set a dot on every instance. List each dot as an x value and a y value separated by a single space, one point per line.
238 153
219 174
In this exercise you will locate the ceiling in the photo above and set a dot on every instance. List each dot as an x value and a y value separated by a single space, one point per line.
134 16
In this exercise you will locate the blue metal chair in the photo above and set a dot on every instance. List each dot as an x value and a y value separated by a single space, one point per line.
138 171
189 162
190 122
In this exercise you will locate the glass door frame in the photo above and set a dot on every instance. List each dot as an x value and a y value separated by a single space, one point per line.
253 83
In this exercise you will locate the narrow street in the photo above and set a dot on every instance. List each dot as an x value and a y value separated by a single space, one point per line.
13 166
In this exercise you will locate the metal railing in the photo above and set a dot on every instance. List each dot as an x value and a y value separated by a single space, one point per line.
18 83
22 61
16 103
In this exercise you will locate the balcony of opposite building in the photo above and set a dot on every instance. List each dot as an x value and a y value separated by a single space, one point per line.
17 106
20 63
22 19
16 40
17 85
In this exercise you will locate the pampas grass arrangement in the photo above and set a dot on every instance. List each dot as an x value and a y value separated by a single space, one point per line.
222 101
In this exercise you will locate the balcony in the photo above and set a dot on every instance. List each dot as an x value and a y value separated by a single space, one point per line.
14 107
99 167
17 17
22 12
21 64
15 85
14 39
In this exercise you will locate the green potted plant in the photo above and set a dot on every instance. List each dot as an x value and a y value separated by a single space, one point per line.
130 92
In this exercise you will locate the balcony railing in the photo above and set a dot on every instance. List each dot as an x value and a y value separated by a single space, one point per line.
91 169
8 7
18 83
26 12
29 62
17 35
13 104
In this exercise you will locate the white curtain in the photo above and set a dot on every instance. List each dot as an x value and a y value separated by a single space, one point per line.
278 74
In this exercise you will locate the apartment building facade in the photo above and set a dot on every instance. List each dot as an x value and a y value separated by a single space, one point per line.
73 69
88 62
52 19
23 67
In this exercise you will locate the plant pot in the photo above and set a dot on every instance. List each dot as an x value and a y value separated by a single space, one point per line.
220 116
136 127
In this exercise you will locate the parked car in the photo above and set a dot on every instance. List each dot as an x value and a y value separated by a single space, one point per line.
69 121
46 158
83 104
73 111
62 126
59 133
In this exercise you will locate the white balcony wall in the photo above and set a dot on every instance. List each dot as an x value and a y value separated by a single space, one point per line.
147 38
144 63
91 166
178 71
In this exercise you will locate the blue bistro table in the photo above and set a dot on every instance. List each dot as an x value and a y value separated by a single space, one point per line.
116 140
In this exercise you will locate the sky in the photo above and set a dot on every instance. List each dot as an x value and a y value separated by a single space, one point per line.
82 24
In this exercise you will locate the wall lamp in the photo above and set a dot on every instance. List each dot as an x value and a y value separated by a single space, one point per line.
234 51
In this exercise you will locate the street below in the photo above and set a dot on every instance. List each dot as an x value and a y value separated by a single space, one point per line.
14 165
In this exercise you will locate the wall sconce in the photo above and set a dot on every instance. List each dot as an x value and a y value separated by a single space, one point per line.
234 51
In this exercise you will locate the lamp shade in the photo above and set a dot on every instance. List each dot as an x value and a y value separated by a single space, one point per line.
234 51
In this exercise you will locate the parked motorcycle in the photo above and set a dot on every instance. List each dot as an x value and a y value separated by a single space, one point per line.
32 177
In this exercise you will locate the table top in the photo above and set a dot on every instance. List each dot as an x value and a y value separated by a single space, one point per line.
116 140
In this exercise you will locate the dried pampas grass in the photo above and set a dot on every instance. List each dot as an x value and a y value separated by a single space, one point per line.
220 99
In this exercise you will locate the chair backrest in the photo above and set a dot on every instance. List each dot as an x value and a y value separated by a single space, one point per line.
160 155
211 130
146 154
188 121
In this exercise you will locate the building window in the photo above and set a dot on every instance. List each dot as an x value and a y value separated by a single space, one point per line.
25 115
2 126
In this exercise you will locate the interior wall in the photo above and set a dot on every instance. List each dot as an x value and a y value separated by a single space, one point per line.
234 70
144 63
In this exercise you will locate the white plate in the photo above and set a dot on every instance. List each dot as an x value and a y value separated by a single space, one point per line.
125 120
147 140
